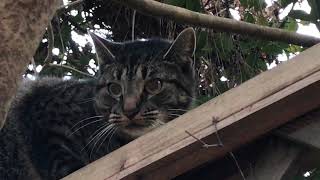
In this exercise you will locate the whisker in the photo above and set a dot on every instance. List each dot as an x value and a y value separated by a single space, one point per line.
148 117
151 112
160 122
173 114
85 126
156 124
94 133
85 120
110 131
105 132
106 126
115 130
183 110
114 116
153 124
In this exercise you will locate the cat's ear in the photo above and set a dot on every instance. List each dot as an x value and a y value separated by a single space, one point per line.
184 44
105 49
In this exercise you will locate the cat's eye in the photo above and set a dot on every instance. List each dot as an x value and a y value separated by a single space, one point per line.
115 89
153 86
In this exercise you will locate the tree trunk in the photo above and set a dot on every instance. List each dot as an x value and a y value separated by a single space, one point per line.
22 25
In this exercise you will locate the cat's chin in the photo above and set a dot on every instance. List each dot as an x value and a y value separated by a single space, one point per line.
132 132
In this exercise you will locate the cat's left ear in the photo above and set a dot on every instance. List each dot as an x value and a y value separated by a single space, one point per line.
106 50
184 44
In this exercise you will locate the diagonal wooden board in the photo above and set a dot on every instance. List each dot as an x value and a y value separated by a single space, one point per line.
244 113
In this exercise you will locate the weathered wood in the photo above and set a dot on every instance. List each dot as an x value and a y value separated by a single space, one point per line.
304 130
244 113
22 25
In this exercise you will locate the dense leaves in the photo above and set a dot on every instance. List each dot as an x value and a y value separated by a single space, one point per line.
222 60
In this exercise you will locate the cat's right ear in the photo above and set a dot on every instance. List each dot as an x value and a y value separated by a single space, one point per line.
105 49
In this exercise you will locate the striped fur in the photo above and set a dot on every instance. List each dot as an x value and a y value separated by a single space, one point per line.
55 127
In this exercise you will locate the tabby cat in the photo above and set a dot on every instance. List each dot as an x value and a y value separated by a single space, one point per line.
56 126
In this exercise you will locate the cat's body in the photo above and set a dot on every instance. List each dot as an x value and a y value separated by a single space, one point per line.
41 114
55 127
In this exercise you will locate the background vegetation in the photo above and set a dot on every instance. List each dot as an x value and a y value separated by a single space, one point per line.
230 57
222 60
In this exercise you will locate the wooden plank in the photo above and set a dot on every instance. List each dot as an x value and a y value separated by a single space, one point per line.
244 113
277 162
250 126
304 130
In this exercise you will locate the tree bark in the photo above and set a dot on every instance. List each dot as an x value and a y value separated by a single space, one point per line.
154 8
22 25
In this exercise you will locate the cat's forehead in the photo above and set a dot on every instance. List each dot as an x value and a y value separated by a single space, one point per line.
140 49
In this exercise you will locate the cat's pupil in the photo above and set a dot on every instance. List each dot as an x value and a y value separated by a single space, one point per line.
115 89
153 86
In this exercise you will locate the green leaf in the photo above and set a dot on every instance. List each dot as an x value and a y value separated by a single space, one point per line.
294 48
179 3
285 3
202 40
256 4
244 3
223 44
261 65
248 17
78 18
262 21
302 15
84 60
273 48
291 25
193 5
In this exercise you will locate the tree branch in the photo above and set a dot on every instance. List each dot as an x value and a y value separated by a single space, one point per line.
70 68
22 25
154 8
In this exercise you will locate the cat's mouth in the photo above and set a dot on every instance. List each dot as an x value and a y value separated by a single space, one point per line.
138 125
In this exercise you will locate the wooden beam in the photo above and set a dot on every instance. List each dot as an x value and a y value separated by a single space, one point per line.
277 162
244 113
304 130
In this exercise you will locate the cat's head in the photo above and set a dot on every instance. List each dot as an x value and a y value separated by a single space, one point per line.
145 83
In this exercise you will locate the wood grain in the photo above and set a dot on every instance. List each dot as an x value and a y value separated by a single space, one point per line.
22 25
245 112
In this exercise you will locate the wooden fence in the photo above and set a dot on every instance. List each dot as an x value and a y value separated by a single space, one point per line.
240 115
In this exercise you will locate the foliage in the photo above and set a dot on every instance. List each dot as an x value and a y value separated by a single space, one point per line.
219 56
235 58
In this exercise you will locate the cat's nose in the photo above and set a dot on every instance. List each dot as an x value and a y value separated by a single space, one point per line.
131 114
130 106
130 103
